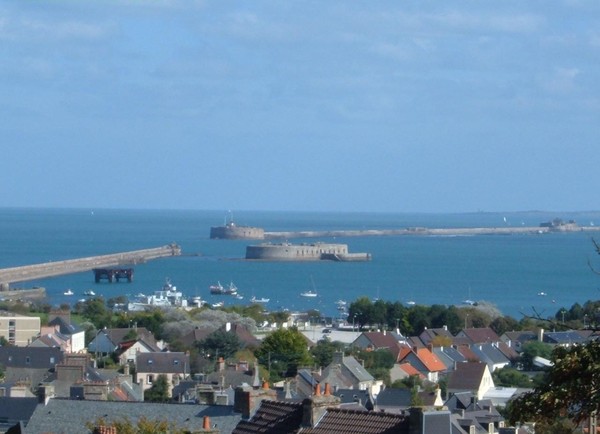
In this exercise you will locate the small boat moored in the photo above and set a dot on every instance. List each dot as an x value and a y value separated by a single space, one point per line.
68 292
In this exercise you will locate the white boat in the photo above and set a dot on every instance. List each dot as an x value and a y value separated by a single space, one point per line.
308 294
469 302
542 294
259 300
68 292
341 302
411 303
89 293
218 304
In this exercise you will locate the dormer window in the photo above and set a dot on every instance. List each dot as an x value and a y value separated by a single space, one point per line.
176 362
150 361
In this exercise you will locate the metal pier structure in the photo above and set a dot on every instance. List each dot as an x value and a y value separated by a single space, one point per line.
70 266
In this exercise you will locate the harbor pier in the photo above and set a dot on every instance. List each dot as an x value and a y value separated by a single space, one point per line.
70 266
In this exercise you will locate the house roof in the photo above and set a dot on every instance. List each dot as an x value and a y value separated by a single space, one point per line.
341 421
467 376
429 335
66 328
382 340
15 410
30 357
520 336
480 335
163 363
272 417
246 338
196 335
430 360
72 415
490 353
566 337
468 354
357 370
391 397
410 369
116 336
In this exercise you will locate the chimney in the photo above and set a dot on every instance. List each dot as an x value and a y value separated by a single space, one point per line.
248 399
45 393
315 407
126 369
541 335
206 428
221 364
338 357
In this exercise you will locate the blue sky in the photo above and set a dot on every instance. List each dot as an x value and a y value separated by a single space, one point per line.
316 105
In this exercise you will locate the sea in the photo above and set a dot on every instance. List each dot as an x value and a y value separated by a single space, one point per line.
516 273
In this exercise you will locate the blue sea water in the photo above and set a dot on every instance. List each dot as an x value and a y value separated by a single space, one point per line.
506 270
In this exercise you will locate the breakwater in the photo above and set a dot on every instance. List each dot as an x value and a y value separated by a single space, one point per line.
428 231
69 266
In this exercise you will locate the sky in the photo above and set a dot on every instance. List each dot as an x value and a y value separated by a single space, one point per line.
387 106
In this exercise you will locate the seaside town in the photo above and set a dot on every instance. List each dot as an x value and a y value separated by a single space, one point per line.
165 363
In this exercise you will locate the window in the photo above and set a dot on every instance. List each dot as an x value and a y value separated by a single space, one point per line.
176 362
149 378
28 360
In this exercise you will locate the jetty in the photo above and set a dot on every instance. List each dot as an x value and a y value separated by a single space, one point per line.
70 266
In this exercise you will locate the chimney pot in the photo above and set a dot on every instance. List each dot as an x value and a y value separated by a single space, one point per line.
265 385
317 390
327 389
206 422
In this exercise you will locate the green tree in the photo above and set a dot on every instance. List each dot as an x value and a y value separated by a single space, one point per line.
159 392
570 389
323 351
534 349
282 352
96 311
360 311
220 344
510 377
504 324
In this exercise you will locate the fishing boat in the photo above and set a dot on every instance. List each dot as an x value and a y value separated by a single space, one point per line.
68 292
259 300
220 289
217 289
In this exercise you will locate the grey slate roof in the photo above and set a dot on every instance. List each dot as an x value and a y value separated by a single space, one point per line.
65 328
70 416
15 410
163 363
30 357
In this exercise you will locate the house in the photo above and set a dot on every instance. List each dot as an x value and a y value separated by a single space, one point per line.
564 339
74 333
436 335
175 366
449 356
108 341
516 339
490 354
51 337
404 370
346 372
424 361
481 335
475 415
322 413
372 341
128 350
29 365
470 377
19 330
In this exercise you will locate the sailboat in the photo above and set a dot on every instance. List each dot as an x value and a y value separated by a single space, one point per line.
311 292
468 300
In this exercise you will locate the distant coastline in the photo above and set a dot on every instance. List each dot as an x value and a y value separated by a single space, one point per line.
430 231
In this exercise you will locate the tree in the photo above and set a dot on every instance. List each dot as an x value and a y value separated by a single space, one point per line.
323 351
510 377
534 349
283 352
159 392
571 388
220 344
